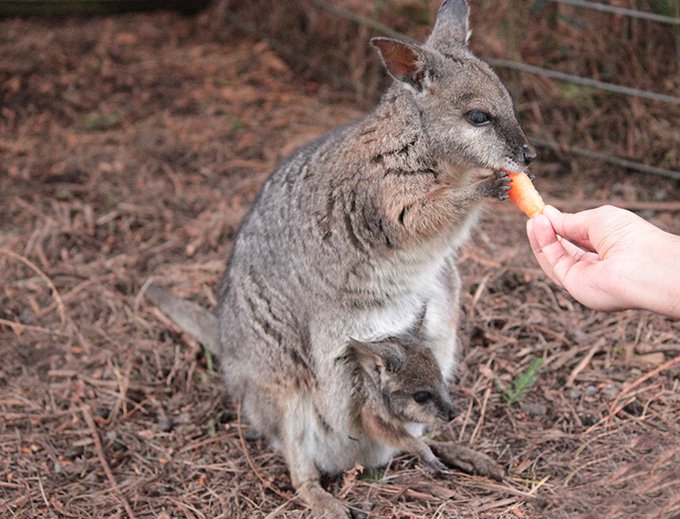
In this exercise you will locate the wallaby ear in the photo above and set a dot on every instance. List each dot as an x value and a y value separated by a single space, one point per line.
373 356
417 327
404 61
451 30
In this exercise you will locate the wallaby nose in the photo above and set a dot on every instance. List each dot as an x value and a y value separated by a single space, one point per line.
528 153
448 413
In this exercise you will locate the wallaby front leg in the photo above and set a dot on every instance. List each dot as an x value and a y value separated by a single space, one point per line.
422 450
446 206
467 459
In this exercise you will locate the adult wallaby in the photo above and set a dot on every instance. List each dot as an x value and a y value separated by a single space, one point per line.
355 236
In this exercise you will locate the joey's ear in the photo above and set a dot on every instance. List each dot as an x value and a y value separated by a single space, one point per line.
451 30
377 355
404 61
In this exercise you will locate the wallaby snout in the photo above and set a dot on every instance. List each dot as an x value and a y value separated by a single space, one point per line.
529 154
447 411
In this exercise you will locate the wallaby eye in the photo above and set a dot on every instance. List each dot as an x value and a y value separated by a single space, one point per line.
422 397
478 118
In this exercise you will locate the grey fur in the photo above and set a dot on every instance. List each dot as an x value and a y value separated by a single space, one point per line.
190 317
451 29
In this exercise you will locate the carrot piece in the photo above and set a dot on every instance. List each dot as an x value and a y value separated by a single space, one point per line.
524 195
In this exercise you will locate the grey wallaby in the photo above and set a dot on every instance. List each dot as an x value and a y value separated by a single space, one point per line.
354 238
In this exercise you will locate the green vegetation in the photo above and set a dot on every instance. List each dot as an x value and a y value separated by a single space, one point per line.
373 474
522 383
96 121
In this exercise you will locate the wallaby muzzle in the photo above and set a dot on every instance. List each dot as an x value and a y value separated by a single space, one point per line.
446 411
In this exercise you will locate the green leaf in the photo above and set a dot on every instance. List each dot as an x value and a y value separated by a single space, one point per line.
208 359
523 382
372 474
97 121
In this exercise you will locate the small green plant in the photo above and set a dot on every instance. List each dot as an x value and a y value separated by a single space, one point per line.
208 359
97 121
372 474
236 123
581 95
522 383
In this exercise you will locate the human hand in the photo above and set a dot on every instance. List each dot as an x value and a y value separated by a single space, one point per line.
609 258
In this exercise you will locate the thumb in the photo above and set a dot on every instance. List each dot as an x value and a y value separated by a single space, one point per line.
552 250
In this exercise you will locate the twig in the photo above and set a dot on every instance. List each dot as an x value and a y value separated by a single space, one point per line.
18 327
614 408
42 493
584 362
55 293
465 421
140 295
482 412
87 413
496 487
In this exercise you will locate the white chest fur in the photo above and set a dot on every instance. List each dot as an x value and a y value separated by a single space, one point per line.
425 288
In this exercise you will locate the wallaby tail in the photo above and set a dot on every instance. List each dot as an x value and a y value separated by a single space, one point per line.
190 317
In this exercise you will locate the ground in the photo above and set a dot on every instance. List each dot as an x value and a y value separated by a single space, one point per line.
132 148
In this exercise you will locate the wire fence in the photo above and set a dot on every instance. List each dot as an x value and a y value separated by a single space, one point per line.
503 63
630 13
526 68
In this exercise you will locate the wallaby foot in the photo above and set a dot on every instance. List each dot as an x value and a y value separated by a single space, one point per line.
467 459
435 467
324 505
306 477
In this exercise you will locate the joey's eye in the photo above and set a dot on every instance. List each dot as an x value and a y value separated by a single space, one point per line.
422 397
478 118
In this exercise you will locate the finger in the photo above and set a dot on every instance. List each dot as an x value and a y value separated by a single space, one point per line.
578 253
573 226
536 248
553 251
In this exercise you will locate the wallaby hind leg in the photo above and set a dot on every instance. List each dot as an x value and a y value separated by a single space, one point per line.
307 480
467 459
324 505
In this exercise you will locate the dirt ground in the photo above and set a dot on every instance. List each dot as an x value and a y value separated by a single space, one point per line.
131 149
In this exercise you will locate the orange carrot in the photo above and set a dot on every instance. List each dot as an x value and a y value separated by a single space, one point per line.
524 194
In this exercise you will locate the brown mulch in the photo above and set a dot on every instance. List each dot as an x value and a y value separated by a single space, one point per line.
131 149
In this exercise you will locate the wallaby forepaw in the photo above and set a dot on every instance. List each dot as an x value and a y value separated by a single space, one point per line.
468 460
435 467
357 514
496 186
